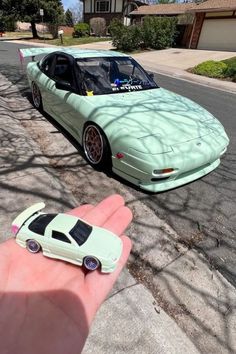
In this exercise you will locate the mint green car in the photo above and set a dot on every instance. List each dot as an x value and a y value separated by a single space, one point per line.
68 238
151 137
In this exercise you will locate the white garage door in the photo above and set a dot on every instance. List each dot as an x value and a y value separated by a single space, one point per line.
218 34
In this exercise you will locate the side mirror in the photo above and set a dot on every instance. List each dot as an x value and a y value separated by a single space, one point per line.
151 75
63 85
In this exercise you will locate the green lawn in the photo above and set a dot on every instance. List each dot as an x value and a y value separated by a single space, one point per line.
21 34
69 40
224 69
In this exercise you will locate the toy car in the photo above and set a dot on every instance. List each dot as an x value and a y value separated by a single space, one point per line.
124 121
68 238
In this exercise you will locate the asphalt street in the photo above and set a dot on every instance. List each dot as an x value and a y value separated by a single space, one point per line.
203 212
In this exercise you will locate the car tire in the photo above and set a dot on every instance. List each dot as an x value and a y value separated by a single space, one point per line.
33 246
36 96
91 263
96 147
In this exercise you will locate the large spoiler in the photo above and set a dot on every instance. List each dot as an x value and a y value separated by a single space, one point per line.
26 214
32 52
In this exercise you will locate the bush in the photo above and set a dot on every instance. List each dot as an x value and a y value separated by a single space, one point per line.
2 26
159 32
81 30
231 68
98 26
116 29
125 38
155 32
211 68
7 23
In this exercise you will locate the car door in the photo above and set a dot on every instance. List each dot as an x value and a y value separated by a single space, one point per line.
65 94
62 246
45 81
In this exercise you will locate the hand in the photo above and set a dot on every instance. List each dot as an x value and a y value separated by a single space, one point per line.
46 305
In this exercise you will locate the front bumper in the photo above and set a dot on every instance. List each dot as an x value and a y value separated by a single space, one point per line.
191 160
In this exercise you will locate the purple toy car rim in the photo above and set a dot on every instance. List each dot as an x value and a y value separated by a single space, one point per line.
91 263
32 246
93 144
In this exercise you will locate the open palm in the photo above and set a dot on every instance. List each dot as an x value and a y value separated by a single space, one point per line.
47 306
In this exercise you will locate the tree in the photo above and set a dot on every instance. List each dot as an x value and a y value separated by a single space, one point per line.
77 12
69 18
28 11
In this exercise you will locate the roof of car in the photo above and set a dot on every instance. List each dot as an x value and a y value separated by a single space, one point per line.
81 53
63 223
75 52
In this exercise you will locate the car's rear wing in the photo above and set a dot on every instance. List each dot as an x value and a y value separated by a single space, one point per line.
25 215
32 52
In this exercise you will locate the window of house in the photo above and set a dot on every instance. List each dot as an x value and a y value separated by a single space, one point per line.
60 236
102 5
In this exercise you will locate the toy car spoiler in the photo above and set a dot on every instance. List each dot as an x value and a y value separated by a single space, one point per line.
26 214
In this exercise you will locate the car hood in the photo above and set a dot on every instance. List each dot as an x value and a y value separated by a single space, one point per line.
102 244
151 114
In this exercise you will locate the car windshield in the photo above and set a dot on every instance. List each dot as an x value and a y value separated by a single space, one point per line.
80 232
101 76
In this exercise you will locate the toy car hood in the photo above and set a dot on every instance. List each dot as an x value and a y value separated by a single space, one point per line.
25 215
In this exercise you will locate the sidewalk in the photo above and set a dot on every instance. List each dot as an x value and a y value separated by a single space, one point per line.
130 320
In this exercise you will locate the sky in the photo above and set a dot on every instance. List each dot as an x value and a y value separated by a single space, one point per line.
69 3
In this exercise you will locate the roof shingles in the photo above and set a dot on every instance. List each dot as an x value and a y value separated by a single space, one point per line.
176 9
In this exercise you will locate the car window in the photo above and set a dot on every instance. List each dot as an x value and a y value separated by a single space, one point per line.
46 65
62 70
60 236
39 224
80 232
99 76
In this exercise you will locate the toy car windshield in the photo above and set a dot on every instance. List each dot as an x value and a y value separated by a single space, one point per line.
80 232
39 224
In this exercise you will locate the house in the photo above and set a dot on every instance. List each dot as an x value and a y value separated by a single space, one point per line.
214 27
209 24
109 9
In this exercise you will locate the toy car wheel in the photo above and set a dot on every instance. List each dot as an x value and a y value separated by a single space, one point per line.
96 146
36 96
91 263
33 246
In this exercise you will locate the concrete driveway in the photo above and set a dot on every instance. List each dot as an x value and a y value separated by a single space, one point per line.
182 58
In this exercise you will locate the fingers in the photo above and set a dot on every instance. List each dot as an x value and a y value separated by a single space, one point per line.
103 211
110 214
81 210
100 284
119 221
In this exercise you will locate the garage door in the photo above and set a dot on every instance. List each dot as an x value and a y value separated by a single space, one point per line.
218 34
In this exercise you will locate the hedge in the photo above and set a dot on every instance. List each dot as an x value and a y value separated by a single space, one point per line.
211 68
155 33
